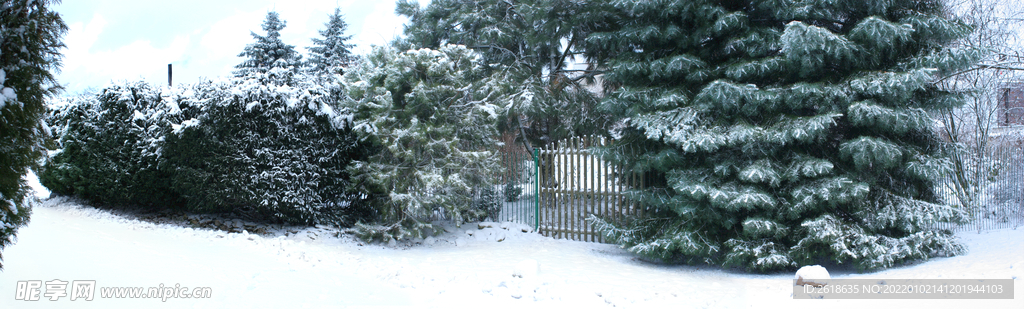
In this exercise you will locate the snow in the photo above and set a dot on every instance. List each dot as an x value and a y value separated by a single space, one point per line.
813 274
471 266
38 189
7 94
3 91
178 128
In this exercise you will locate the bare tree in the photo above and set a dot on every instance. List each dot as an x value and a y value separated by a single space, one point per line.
996 25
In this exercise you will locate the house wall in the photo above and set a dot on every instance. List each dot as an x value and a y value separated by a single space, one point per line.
1011 104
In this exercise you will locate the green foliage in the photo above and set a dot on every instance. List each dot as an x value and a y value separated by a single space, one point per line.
778 134
110 148
532 45
30 43
406 229
431 113
269 153
487 206
270 145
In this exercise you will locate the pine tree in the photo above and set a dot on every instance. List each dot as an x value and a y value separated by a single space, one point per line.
532 44
30 41
780 133
331 54
269 58
431 114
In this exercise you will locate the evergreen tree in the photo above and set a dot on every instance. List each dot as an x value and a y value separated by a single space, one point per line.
781 133
269 58
30 41
533 44
331 54
431 113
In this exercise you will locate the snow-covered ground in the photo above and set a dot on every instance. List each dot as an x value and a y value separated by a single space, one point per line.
469 267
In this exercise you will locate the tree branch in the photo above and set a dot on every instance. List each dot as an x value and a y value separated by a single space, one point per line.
1009 66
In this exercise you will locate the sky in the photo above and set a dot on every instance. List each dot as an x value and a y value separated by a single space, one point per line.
129 40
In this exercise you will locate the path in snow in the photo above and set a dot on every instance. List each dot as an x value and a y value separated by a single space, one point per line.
466 268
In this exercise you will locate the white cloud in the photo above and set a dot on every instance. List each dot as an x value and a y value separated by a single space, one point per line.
80 39
86 64
232 31
380 27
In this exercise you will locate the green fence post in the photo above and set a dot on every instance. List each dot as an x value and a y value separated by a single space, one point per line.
536 190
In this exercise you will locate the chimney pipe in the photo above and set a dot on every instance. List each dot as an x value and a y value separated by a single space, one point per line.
168 75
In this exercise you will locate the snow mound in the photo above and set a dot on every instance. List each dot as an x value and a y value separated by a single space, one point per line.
812 275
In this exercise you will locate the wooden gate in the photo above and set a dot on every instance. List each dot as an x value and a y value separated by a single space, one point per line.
575 184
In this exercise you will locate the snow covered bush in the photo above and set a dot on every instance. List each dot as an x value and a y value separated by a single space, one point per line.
30 41
488 206
271 153
431 113
267 152
110 146
781 133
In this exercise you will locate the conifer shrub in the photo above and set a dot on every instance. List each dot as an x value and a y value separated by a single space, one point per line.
265 152
488 205
271 153
110 148
512 192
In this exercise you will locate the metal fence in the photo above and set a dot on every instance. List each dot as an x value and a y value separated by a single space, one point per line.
518 184
990 188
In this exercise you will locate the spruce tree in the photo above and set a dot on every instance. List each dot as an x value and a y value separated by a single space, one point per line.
774 134
269 57
30 41
331 54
